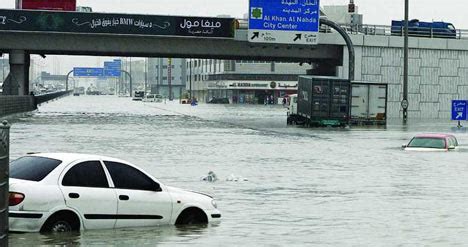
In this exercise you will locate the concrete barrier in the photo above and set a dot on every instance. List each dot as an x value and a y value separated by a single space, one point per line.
50 96
12 104
16 104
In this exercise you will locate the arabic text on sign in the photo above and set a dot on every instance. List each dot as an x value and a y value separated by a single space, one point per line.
203 23
301 3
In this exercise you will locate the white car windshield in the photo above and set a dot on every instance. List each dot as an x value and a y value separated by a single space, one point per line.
427 142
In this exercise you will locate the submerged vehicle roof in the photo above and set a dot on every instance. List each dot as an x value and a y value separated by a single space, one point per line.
434 135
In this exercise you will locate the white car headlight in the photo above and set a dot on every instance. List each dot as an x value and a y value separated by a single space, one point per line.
213 202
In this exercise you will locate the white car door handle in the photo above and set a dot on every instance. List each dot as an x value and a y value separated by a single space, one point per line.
74 195
124 198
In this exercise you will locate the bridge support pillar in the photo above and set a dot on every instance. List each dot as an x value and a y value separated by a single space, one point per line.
18 81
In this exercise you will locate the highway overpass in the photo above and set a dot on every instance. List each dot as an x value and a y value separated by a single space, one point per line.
438 68
97 34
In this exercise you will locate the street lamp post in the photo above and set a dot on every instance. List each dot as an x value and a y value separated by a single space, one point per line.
190 79
146 74
130 86
66 82
169 77
404 103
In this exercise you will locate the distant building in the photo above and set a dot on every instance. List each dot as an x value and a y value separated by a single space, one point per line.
343 14
166 74
137 69
250 82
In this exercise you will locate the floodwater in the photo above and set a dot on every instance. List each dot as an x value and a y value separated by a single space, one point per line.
296 186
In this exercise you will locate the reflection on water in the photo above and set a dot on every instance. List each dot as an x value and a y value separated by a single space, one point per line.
325 187
123 237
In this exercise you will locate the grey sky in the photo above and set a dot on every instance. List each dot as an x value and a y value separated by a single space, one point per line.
379 12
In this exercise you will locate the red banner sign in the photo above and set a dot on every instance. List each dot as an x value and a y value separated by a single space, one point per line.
63 5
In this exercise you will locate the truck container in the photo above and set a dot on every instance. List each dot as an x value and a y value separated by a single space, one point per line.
326 101
369 103
322 101
418 28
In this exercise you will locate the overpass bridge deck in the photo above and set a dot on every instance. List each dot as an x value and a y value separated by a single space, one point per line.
164 46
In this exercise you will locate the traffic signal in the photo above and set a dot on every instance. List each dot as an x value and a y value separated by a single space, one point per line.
351 8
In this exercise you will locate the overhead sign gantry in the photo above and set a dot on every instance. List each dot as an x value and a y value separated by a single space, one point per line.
110 69
113 68
284 21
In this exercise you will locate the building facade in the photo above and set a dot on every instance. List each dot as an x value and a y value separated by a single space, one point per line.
167 77
243 82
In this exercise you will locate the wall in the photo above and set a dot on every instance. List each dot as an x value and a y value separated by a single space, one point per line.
438 72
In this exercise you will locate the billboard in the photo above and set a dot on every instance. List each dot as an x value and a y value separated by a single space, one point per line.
62 5
105 23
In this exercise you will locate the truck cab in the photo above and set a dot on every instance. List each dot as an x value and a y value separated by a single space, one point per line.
292 110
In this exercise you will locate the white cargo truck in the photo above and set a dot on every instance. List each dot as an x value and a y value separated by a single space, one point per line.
368 106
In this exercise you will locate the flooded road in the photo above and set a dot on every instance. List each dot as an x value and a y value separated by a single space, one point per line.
323 187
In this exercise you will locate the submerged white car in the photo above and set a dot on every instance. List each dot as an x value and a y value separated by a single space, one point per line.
62 192
432 142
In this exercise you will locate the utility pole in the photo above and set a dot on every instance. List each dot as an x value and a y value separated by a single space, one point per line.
159 74
130 86
190 78
169 77
146 74
404 102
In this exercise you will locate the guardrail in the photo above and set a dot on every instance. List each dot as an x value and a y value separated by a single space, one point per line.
384 30
50 96
4 183
367 29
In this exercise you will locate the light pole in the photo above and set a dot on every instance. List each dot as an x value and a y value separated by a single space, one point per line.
404 103
66 82
190 78
146 74
130 85
169 77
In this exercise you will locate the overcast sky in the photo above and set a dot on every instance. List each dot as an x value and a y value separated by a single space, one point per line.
379 12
